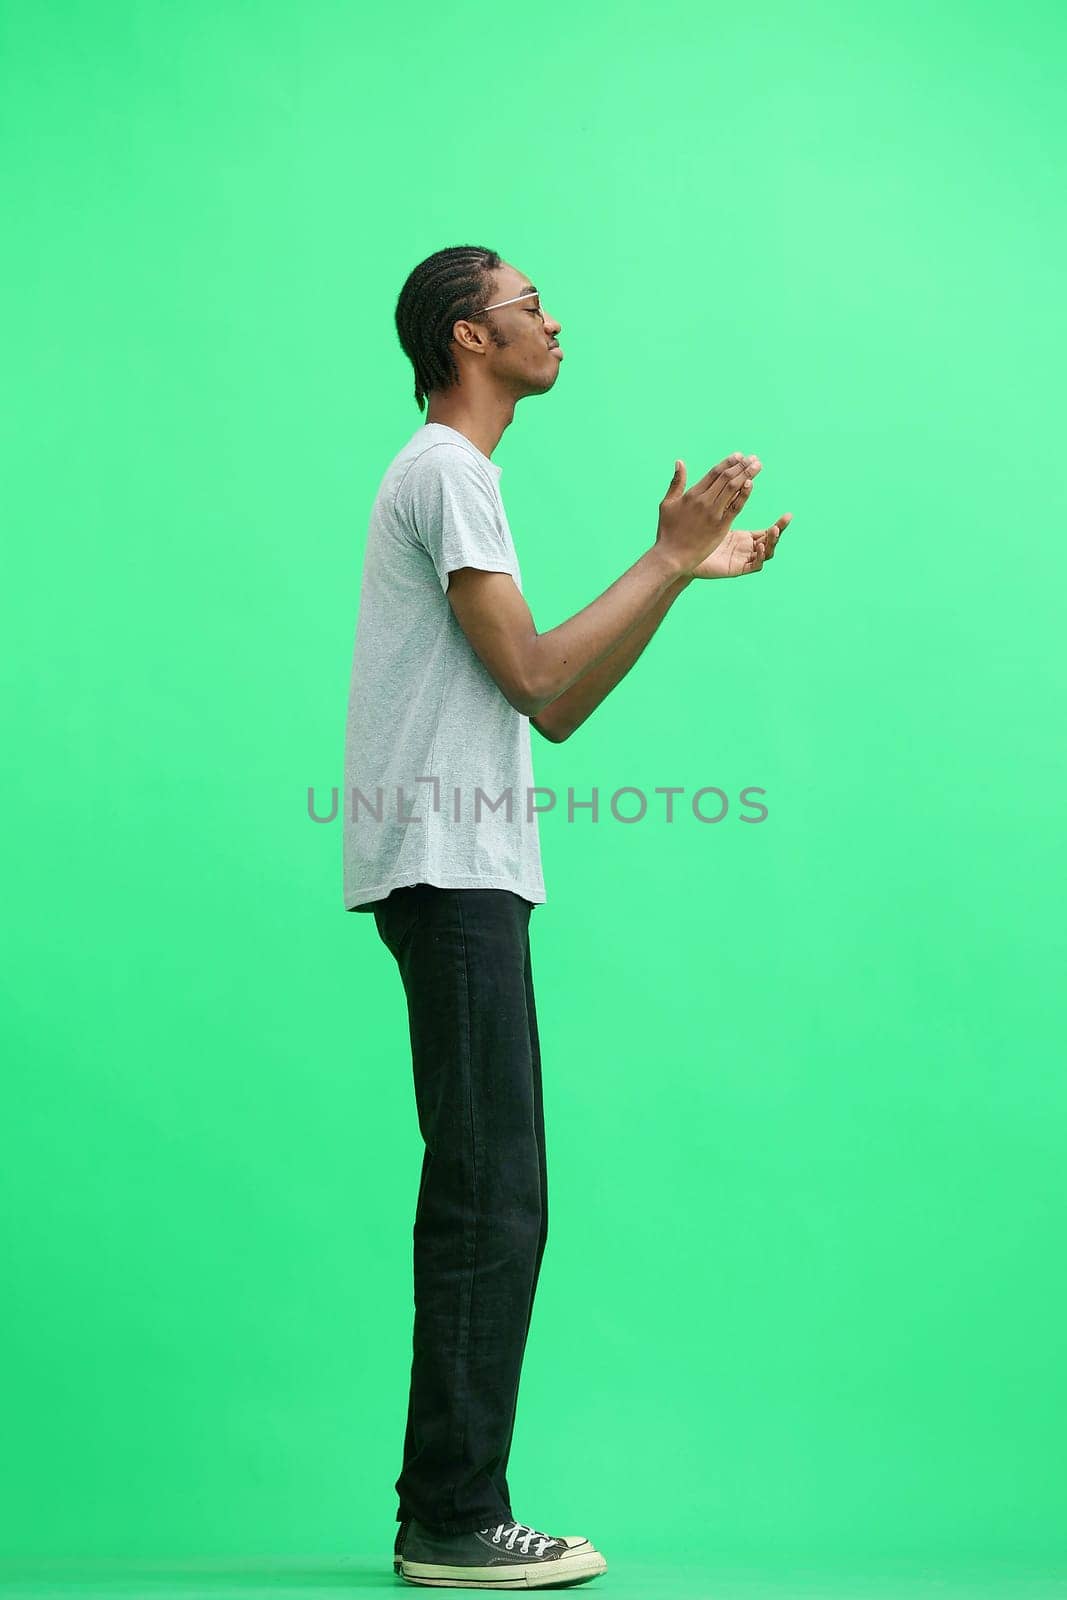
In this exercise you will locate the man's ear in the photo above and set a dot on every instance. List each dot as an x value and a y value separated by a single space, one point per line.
470 337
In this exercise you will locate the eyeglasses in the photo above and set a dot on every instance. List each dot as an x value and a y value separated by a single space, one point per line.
529 293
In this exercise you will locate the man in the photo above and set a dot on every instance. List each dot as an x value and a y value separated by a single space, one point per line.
441 843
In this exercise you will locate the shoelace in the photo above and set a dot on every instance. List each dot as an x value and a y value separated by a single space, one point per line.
512 1529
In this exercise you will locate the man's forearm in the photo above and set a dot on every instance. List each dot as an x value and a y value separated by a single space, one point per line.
568 711
555 660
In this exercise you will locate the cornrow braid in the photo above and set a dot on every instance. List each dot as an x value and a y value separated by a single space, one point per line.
442 290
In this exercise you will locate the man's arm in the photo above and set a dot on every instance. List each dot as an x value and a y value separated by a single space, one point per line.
569 710
532 669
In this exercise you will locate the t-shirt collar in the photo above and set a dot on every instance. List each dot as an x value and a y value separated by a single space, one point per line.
487 460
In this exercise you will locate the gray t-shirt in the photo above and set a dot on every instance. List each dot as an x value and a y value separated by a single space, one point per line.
421 703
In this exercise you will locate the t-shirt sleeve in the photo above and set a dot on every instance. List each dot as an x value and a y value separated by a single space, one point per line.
453 512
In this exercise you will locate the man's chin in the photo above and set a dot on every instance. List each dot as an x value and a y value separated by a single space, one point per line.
542 388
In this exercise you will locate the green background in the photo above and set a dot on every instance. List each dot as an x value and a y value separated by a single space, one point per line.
803 1305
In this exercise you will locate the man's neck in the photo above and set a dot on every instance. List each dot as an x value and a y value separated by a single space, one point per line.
484 429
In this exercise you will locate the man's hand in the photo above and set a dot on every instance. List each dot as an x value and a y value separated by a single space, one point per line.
742 551
693 523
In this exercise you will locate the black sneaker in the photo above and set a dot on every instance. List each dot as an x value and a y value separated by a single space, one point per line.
573 1540
511 1555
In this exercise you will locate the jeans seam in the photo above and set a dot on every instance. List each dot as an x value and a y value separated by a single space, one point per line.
463 1343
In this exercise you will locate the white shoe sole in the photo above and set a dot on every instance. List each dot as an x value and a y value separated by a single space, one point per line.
538 1575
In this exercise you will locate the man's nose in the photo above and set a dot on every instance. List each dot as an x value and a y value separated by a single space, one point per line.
550 323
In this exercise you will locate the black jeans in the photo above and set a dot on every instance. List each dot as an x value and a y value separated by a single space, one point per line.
482 1215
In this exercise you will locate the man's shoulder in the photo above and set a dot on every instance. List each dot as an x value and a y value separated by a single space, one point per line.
439 467
417 464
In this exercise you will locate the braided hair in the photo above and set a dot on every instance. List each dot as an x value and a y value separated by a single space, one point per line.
442 290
